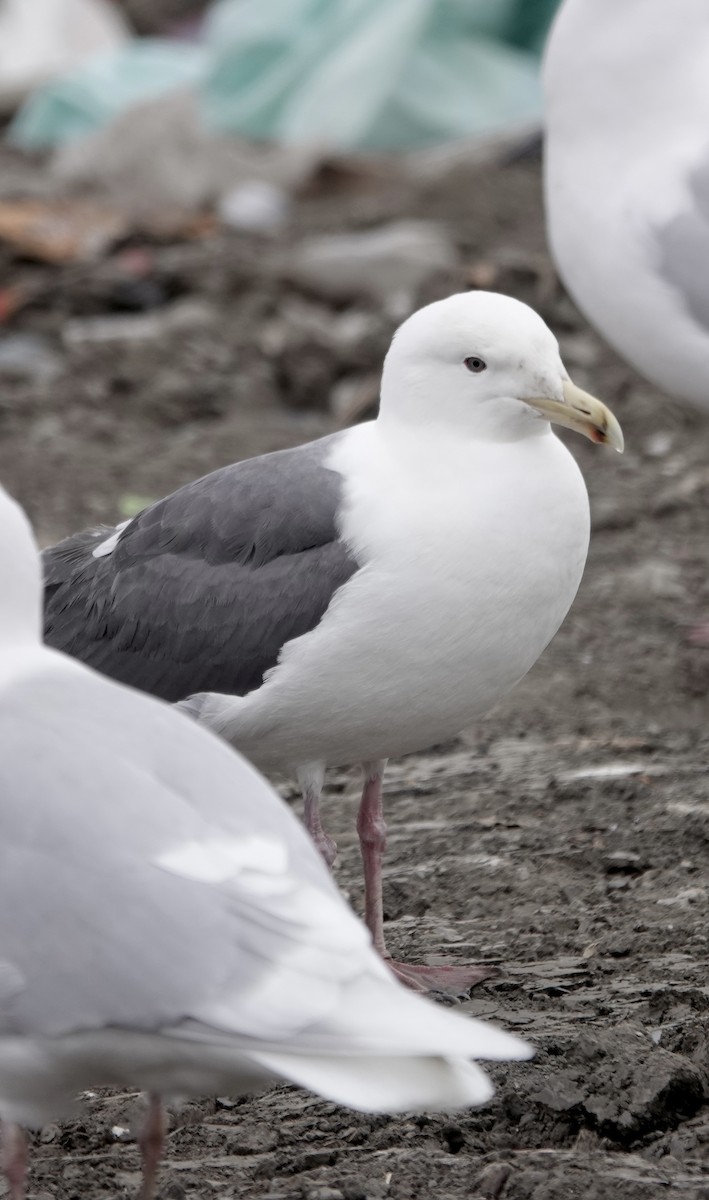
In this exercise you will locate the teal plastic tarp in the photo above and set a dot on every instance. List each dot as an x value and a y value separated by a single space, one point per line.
369 75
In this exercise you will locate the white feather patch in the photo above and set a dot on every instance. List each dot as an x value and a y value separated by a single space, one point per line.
111 542
217 859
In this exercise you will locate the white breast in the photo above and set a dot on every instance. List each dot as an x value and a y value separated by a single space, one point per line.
472 556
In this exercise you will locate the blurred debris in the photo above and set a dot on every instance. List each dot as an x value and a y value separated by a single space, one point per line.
162 16
644 583
41 39
529 276
103 88
255 205
682 493
659 444
379 263
76 230
324 359
607 512
193 313
59 231
355 398
12 299
436 163
160 156
28 356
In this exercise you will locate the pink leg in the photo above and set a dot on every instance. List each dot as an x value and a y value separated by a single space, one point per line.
311 781
372 839
151 1141
14 1159
372 831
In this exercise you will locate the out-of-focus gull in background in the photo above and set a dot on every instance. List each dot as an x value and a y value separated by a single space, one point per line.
627 179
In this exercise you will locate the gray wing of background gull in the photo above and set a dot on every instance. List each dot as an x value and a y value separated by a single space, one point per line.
202 589
150 880
683 246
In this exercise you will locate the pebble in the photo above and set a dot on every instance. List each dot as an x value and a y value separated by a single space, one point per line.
28 356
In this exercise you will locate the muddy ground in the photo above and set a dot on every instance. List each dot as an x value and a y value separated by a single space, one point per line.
566 837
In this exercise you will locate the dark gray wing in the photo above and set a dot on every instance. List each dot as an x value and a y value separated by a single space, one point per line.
684 248
205 587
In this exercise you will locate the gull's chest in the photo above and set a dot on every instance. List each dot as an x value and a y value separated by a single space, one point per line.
462 583
477 545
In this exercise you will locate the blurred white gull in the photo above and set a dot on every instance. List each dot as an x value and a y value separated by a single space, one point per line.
366 595
627 179
166 923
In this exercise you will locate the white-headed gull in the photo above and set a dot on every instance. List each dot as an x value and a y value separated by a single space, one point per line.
368 594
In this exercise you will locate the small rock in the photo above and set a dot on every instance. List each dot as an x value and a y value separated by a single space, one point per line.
659 1087
493 1179
617 946
316 1158
121 1133
624 862
325 1193
27 356
173 1191
255 1139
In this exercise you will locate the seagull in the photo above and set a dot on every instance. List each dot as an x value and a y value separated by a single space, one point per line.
166 922
365 595
627 179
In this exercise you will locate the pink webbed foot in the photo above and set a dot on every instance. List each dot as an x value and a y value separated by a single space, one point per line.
447 977
454 977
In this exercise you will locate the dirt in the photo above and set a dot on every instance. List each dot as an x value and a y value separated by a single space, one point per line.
565 838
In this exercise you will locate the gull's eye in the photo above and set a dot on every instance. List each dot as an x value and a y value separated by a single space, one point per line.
475 364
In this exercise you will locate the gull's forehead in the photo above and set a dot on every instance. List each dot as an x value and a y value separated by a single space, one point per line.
477 322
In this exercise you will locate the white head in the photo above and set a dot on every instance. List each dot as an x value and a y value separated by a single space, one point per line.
486 366
20 578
